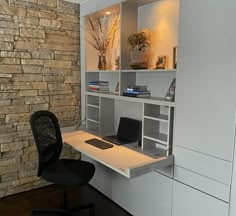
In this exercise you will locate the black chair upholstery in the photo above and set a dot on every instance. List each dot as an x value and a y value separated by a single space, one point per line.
66 172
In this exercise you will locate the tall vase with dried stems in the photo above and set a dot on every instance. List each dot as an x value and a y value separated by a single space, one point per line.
102 32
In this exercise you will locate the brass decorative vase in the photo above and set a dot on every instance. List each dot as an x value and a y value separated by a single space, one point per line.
102 63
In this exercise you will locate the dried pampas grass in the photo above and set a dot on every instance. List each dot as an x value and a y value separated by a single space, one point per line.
102 31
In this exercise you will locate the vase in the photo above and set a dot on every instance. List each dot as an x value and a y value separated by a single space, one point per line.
139 59
102 63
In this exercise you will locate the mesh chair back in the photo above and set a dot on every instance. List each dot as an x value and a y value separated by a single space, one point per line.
47 136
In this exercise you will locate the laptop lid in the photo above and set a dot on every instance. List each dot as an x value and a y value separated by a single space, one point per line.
129 129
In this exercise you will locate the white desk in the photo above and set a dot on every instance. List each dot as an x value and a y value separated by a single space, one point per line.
121 159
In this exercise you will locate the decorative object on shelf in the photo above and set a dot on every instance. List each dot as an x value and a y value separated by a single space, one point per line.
102 32
161 62
117 63
175 57
170 95
117 89
140 42
137 91
102 62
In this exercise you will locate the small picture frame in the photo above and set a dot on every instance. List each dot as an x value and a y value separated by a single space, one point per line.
117 88
161 62
170 94
175 57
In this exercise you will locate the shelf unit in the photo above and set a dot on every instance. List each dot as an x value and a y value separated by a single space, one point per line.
93 116
158 128
155 112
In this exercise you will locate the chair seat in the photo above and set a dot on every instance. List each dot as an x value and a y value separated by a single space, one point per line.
68 172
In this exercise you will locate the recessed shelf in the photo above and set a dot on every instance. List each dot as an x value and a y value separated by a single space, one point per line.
133 71
158 137
150 100
163 118
149 71
150 151
93 120
103 94
92 105
102 71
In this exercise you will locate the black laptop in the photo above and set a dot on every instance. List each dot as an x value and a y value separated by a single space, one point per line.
129 131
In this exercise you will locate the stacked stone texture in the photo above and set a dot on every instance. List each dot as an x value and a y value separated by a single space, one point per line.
39 51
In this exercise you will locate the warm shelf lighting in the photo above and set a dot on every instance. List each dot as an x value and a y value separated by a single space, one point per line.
108 13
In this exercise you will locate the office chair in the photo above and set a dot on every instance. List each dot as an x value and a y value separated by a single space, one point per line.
65 172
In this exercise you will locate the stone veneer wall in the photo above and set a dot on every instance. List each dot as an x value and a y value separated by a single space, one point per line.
39 50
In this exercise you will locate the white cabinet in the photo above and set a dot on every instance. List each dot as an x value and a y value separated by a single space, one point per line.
205 115
149 195
206 78
190 202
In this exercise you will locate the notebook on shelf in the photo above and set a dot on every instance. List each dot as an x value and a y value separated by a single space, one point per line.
129 131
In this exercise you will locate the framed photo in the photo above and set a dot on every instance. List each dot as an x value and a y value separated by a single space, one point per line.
175 57
161 62
117 89
170 95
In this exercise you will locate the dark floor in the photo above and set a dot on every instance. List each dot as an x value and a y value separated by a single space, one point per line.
49 197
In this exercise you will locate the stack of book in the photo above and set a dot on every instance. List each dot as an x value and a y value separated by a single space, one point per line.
99 86
137 91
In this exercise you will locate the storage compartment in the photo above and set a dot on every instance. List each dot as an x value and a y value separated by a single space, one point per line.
157 112
107 116
153 148
93 101
93 113
110 52
156 81
92 126
156 130
112 77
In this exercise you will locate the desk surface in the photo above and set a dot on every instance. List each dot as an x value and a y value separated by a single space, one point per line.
119 158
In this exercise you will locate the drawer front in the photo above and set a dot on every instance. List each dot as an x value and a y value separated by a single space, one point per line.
212 187
190 202
202 164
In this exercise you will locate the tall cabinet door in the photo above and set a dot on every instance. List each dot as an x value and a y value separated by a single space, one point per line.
205 107
206 90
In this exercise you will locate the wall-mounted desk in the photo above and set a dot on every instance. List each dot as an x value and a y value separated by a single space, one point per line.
121 159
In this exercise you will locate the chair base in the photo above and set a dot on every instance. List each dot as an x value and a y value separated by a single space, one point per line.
66 212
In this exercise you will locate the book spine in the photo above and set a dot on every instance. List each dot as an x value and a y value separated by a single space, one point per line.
137 95
138 87
136 92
